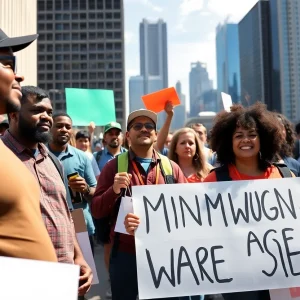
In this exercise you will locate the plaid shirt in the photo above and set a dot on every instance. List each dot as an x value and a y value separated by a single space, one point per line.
54 208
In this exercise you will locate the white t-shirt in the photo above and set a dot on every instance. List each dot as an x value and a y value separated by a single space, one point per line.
94 163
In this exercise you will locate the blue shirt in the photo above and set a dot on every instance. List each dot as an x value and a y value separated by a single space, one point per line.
293 165
106 157
75 160
145 163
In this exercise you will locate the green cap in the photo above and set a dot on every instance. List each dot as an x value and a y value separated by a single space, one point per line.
112 125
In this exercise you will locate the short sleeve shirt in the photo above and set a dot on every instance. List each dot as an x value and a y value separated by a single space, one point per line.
106 157
75 160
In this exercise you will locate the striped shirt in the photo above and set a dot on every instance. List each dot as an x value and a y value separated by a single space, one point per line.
54 208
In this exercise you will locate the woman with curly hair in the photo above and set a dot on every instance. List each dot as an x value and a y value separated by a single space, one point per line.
286 152
246 141
185 150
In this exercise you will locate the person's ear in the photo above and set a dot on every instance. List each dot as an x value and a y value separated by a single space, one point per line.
14 116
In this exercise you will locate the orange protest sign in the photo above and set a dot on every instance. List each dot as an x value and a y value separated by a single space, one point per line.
156 101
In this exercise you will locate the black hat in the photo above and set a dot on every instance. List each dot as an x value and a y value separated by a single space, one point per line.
16 43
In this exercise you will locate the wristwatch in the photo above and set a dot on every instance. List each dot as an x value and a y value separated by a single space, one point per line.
87 190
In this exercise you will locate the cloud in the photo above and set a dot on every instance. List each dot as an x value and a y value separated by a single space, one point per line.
190 6
147 3
235 10
129 37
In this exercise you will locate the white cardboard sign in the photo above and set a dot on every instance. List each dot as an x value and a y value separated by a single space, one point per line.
125 208
222 237
227 101
35 280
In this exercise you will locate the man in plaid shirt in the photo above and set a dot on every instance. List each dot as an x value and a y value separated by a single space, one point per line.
29 129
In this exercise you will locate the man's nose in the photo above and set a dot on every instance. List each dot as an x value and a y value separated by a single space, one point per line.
19 78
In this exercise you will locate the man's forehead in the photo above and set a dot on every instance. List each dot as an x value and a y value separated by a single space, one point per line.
139 119
63 120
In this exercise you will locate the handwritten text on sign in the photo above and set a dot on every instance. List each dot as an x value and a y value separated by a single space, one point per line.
217 237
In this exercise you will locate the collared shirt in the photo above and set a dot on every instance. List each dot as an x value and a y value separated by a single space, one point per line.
104 199
106 156
54 208
75 160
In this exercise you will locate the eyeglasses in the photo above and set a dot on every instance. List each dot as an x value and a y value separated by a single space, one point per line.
139 126
9 62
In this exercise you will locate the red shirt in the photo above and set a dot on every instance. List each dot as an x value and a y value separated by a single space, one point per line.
54 208
271 172
105 198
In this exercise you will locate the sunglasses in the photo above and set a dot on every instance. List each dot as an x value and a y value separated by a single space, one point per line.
139 126
9 62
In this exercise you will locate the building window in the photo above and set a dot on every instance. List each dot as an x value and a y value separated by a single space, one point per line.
119 115
41 58
66 47
92 26
100 25
75 66
100 4
67 76
110 85
118 84
41 48
41 5
75 56
117 16
110 75
117 25
118 46
83 36
100 46
93 85
66 4
92 4
83 4
41 67
83 66
58 36
93 75
66 16
58 5
108 15
92 35
109 35
75 76
49 67
117 4
75 26
49 17
108 25
100 35
109 46
41 17
83 47
92 15
118 65
84 85
100 56
117 35
108 4
83 76
92 56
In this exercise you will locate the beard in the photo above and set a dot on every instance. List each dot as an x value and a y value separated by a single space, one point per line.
32 133
12 106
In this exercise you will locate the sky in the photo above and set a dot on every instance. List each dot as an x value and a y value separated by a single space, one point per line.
191 27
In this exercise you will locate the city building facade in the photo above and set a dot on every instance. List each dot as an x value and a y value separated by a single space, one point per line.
81 45
228 62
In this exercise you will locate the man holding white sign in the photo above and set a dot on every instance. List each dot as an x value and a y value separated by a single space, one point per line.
144 167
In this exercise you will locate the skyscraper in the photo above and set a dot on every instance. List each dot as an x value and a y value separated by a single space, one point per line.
81 45
180 110
199 84
228 62
18 18
285 31
153 53
256 56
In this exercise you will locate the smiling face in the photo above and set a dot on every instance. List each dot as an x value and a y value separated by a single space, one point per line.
61 130
245 143
139 135
10 91
186 145
34 120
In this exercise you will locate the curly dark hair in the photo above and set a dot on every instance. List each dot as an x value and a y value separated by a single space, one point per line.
288 145
255 116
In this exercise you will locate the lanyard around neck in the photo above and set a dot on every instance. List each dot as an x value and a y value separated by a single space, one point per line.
139 174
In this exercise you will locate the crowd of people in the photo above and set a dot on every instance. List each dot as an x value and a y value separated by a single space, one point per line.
48 170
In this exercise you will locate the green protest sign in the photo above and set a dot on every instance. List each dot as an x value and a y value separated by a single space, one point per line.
87 105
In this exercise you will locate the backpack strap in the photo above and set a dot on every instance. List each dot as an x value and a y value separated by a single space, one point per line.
97 156
222 173
166 169
59 168
284 171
